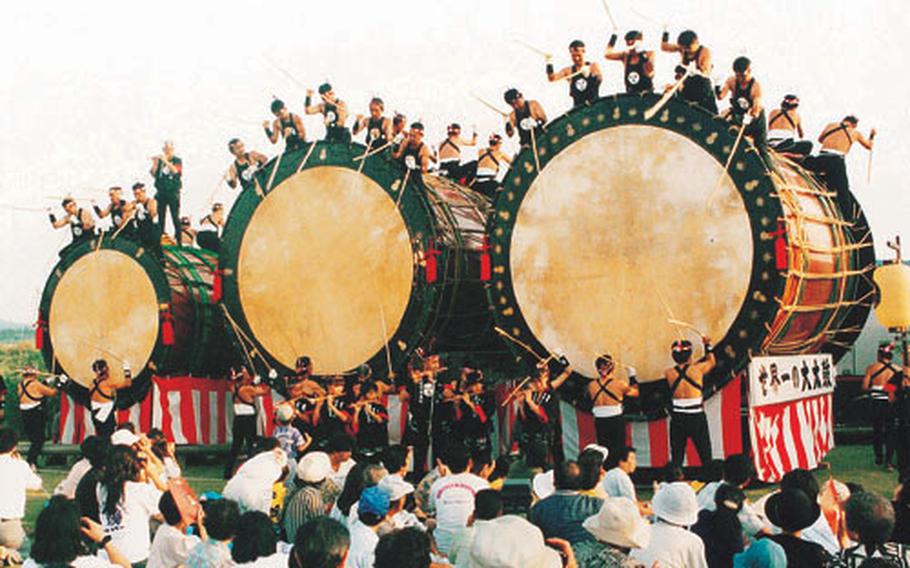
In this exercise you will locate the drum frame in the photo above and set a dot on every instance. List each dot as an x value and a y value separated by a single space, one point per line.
748 332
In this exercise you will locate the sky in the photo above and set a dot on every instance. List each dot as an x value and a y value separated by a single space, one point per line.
89 90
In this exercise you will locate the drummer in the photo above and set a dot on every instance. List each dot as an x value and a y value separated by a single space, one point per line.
687 418
584 76
746 104
528 116
538 414
116 209
286 125
488 163
209 234
144 216
399 128
412 152
33 395
878 377
334 113
785 128
245 165
378 126
607 392
837 139
80 222
450 152
697 58
245 389
103 396
638 64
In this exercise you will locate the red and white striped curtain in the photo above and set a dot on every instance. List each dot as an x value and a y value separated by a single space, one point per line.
790 435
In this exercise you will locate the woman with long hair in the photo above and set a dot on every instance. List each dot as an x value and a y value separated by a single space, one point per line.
255 544
721 529
128 495
60 535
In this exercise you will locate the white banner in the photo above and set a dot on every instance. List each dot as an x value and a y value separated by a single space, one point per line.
773 380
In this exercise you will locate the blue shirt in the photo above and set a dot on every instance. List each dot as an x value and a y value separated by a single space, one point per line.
561 515
290 439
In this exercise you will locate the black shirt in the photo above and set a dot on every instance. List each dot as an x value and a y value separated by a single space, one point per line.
801 553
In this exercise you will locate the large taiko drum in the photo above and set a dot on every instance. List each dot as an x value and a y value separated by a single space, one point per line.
630 223
353 262
119 302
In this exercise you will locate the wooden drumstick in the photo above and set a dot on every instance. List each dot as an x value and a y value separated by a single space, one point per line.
372 152
512 394
268 186
666 306
306 157
869 167
404 186
534 150
610 14
491 106
540 52
521 344
723 174
686 325
649 114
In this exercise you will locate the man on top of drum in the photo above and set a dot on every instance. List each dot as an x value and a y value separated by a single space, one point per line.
527 116
334 113
145 214
412 152
80 222
450 152
879 376
745 104
244 166
697 87
584 76
167 171
377 125
488 162
103 396
607 392
638 65
836 139
399 128
785 128
116 208
286 125
687 384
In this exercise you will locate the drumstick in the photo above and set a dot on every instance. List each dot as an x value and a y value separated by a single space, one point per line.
385 338
610 14
642 15
268 186
521 344
283 71
404 186
686 325
869 168
122 226
515 391
218 185
490 106
18 208
372 152
649 114
534 149
306 157
666 306
723 174
540 52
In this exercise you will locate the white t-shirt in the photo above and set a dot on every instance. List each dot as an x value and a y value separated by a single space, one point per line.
277 560
673 547
17 477
170 547
67 486
343 468
452 497
129 524
617 483
78 562
252 485
363 545
751 522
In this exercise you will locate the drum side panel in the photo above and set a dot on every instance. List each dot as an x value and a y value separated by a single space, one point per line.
325 268
610 236
104 306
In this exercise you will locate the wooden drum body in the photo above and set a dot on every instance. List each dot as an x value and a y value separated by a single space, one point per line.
335 258
120 303
631 223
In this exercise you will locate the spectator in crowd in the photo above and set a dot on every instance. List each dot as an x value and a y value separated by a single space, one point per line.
86 489
372 509
320 543
403 548
721 529
220 522
251 486
398 517
360 477
92 451
172 545
618 481
794 511
562 514
340 449
763 553
167 452
675 509
255 544
512 542
870 523
487 506
289 437
61 535
128 497
738 472
617 528
452 496
901 504
422 491
592 469
396 460
17 478
307 499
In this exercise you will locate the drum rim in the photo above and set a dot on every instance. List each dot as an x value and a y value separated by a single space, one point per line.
709 132
418 220
160 354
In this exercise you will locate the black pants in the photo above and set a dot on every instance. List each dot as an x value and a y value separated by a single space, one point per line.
832 168
611 433
882 432
486 186
243 435
698 89
34 421
791 146
338 134
104 429
208 240
418 437
169 200
685 426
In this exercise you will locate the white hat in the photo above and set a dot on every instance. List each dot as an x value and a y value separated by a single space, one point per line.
619 523
543 484
396 487
314 467
676 503
511 542
123 438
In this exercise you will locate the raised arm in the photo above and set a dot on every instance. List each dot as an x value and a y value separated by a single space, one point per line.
611 53
665 44
272 133
866 143
310 108
557 75
102 213
359 124
58 223
510 124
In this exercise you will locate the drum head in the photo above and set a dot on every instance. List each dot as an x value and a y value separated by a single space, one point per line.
325 268
104 306
602 247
